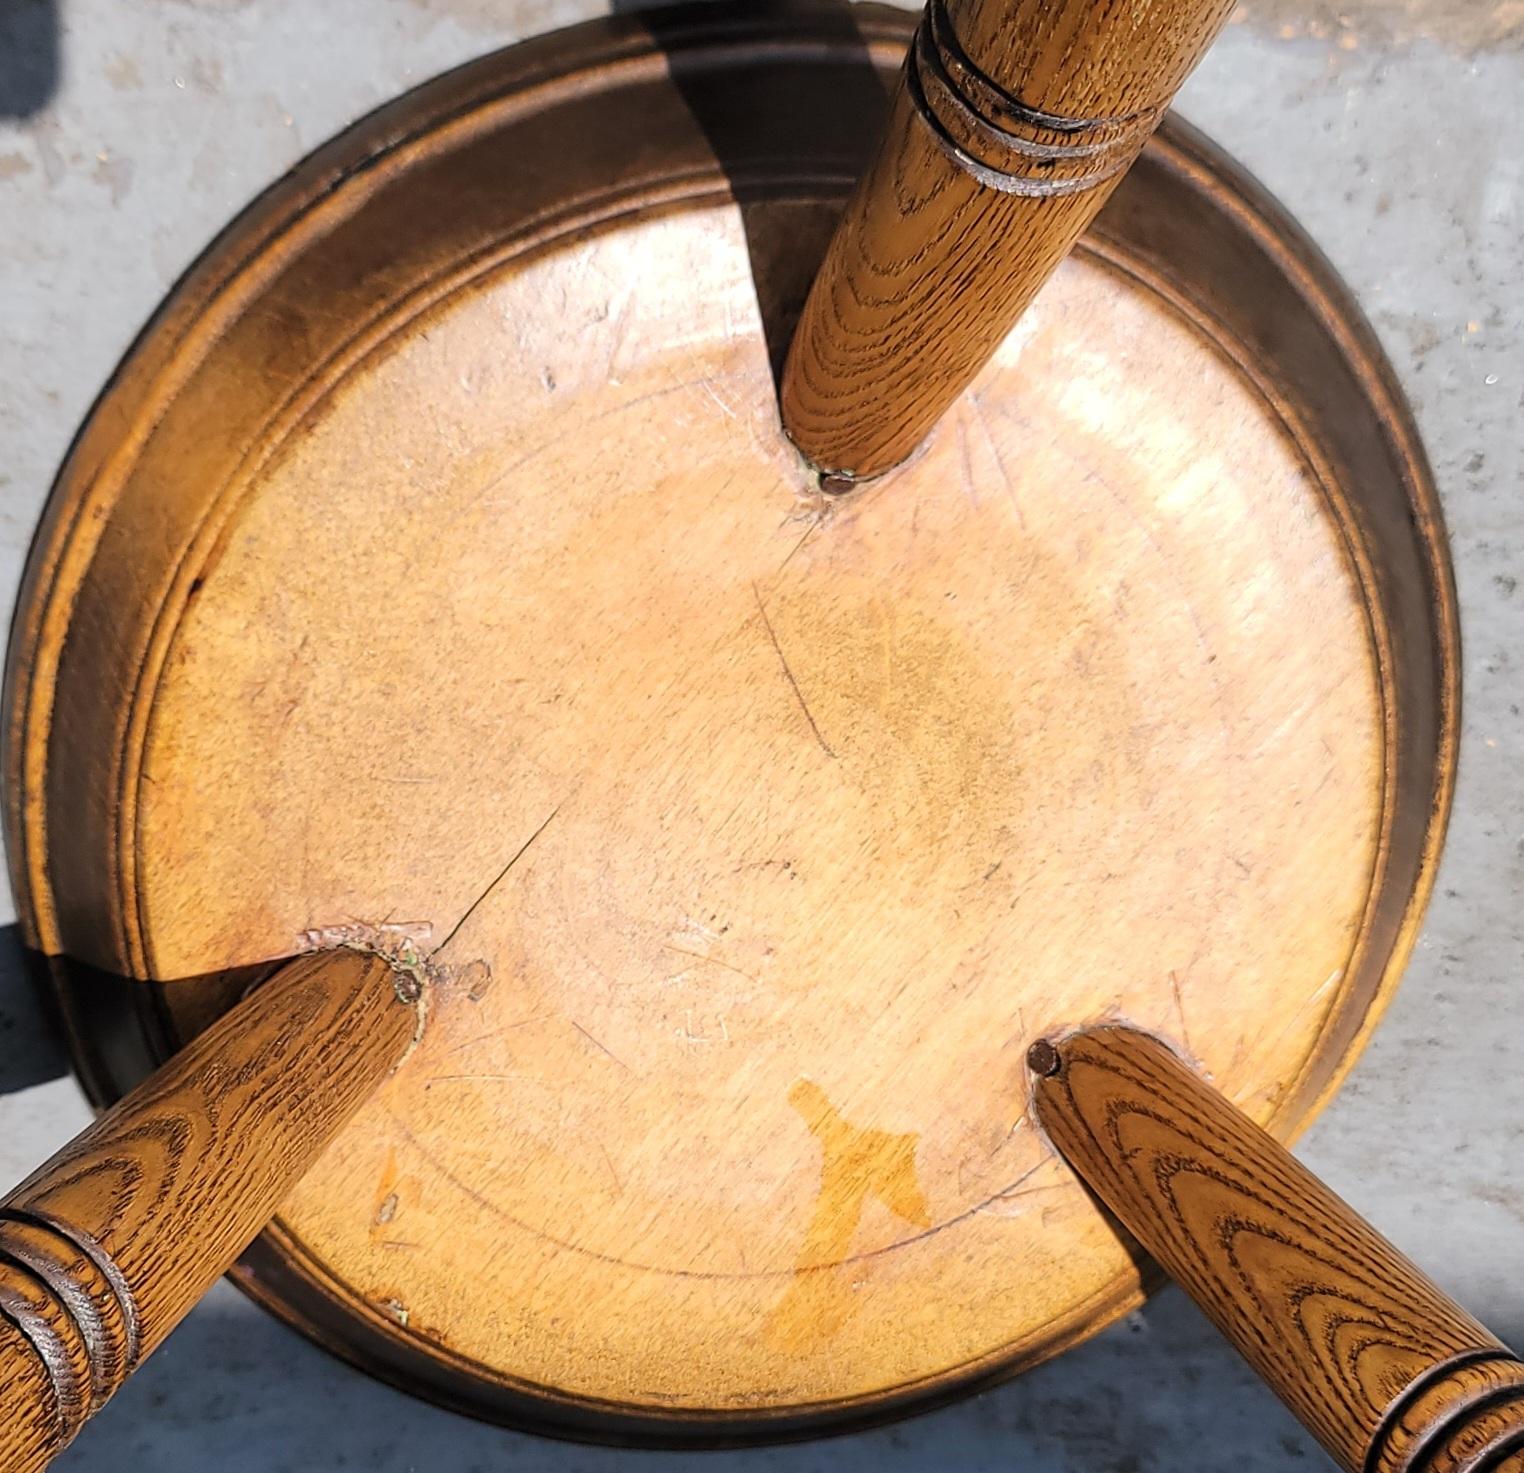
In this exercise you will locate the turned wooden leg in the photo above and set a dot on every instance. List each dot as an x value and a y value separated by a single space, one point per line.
1389 1374
1012 123
104 1249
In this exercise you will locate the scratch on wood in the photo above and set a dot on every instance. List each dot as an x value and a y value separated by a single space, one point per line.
788 674
600 1047
687 1034
616 346
808 533
1312 1000
709 389
488 1037
1010 490
493 1078
1020 1039
968 464
502 874
483 496
608 1161
699 956
1017 1188
1185 1032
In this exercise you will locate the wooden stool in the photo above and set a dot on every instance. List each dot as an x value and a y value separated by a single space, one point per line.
785 925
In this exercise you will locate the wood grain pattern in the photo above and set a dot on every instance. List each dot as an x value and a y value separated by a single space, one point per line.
105 1248
1387 1372
754 830
1011 125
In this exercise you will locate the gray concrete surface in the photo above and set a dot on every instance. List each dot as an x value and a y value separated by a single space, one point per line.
131 129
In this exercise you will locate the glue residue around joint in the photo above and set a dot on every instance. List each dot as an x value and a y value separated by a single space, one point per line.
398 943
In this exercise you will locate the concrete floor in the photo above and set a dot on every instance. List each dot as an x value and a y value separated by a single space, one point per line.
130 130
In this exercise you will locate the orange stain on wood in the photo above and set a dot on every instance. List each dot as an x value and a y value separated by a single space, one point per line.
857 1165
391 1191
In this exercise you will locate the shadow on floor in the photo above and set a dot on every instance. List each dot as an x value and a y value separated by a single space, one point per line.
31 1049
1158 1393
31 56
782 277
